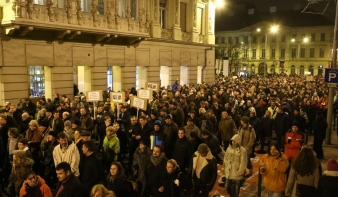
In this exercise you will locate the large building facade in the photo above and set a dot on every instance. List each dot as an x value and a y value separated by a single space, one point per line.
271 48
47 45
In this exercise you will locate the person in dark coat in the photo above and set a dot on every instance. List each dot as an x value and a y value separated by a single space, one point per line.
156 170
281 126
196 140
91 169
319 134
203 171
69 185
267 124
213 143
29 107
183 150
25 123
174 181
327 185
117 181
141 156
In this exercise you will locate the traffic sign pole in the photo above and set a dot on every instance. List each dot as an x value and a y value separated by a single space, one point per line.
334 65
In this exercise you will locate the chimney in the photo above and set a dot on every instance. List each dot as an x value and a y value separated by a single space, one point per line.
251 11
273 9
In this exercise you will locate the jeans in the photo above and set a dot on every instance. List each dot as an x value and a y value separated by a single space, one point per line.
274 194
229 189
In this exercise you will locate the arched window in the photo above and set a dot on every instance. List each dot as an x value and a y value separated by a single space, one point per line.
252 69
293 70
273 69
301 70
320 70
311 70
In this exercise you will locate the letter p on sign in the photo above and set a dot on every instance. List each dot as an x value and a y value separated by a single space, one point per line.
332 76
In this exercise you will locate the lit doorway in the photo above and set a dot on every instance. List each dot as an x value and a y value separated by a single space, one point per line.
199 74
114 78
320 70
141 76
82 76
184 77
164 76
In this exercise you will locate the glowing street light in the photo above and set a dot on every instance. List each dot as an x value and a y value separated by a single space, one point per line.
219 3
305 39
274 29
293 40
258 29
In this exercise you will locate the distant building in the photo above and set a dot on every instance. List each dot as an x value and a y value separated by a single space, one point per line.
277 42
47 45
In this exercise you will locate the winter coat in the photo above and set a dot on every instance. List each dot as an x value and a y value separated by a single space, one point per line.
294 179
139 167
40 190
227 128
293 147
154 174
183 151
71 188
171 188
71 155
122 187
16 177
208 173
213 143
281 125
248 137
319 128
327 186
267 126
193 128
274 179
91 171
235 160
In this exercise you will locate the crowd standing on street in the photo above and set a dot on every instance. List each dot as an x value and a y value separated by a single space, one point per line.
64 147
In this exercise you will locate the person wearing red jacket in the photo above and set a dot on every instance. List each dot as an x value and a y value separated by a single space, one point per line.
293 142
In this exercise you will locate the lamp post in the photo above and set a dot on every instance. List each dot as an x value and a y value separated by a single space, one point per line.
305 40
273 29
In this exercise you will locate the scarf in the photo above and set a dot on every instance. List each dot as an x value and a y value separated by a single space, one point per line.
157 160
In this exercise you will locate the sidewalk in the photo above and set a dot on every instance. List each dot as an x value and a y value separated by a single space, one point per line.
250 187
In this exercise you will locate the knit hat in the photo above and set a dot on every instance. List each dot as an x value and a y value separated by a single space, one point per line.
245 119
332 165
158 123
202 148
19 153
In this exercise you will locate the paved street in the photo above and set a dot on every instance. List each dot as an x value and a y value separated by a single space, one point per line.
250 187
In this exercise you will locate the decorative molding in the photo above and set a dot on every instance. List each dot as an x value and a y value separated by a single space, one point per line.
30 8
156 4
167 33
177 10
202 38
94 12
50 9
195 13
186 36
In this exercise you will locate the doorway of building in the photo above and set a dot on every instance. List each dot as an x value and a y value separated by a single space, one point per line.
184 75
165 76
82 76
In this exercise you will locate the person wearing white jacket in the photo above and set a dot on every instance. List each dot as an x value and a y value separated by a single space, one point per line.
67 152
234 165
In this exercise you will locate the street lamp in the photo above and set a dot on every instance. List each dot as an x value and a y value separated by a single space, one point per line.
219 3
273 29
305 40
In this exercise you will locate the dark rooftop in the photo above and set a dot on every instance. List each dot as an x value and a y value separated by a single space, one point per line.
285 18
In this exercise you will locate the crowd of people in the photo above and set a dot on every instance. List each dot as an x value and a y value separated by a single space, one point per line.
65 148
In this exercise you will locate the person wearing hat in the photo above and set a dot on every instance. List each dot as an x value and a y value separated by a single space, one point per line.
191 127
327 186
157 136
203 171
319 134
248 138
76 124
293 142
171 130
234 169
48 163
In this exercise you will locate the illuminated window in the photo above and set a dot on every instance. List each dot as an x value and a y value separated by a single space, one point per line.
36 81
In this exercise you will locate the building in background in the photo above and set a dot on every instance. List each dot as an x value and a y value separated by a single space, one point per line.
47 45
274 42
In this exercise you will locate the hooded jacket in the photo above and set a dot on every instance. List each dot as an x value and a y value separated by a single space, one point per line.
41 189
235 160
